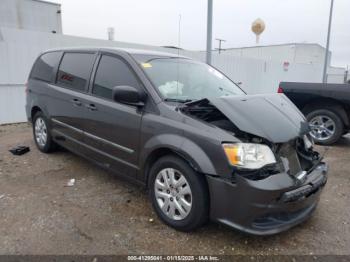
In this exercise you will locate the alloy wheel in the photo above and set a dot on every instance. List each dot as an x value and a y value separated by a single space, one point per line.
40 132
173 193
322 127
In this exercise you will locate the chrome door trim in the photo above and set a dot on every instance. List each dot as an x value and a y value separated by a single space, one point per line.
100 139
95 149
128 150
67 126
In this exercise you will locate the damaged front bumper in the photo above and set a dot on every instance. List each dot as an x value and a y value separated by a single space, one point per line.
266 206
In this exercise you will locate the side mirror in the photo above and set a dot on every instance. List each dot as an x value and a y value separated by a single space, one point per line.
129 95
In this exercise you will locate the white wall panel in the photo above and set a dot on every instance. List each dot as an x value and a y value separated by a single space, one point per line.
12 101
31 15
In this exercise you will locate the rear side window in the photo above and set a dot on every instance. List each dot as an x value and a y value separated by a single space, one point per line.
112 72
74 70
44 66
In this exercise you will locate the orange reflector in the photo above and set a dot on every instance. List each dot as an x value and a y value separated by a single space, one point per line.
232 154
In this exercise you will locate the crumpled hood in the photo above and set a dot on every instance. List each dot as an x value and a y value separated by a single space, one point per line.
271 116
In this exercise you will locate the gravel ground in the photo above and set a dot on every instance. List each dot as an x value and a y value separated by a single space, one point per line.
102 214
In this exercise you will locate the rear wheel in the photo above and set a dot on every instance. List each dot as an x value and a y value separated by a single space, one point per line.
179 195
41 133
326 126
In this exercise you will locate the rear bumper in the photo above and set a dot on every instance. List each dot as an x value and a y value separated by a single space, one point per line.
267 206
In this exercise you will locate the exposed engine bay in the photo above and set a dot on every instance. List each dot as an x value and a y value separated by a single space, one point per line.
296 156
207 112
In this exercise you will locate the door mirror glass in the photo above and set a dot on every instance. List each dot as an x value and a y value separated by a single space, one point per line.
128 95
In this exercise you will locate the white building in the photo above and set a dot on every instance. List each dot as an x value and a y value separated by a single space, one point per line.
291 53
302 53
31 15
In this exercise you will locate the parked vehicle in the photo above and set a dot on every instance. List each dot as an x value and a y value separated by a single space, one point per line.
326 107
202 147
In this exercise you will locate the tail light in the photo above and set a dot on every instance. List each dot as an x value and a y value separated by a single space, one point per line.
280 90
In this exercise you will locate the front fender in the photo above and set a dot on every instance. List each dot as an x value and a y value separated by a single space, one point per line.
181 146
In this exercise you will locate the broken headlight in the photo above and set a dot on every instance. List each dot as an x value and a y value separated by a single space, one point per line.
248 155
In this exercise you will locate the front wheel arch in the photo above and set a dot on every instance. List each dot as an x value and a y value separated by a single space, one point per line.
177 145
159 153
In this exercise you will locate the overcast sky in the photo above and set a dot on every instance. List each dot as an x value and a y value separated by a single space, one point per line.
155 22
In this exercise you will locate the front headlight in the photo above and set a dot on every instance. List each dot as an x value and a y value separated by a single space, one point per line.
249 156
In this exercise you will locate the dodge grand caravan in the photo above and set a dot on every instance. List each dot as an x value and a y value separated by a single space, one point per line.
201 146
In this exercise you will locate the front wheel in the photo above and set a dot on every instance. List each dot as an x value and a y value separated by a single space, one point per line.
326 126
179 195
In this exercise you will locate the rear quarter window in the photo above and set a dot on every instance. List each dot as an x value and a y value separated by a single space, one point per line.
74 70
43 68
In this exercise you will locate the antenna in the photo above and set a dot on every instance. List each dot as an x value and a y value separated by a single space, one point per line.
178 54
179 37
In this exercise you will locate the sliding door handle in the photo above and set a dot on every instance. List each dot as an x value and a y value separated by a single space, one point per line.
91 107
76 102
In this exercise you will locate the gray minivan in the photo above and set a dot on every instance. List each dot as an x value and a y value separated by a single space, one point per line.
201 146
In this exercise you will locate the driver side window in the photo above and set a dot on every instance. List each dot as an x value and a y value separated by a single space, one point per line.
112 72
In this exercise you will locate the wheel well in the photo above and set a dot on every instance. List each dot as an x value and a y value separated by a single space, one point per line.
158 153
35 109
327 103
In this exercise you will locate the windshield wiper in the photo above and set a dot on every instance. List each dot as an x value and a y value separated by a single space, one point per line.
177 100
228 91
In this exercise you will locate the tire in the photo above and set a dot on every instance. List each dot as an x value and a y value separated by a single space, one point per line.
44 145
333 132
190 218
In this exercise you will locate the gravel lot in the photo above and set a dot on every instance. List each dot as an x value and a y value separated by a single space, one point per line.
102 214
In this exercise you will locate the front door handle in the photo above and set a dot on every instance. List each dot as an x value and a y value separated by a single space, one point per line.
76 102
91 107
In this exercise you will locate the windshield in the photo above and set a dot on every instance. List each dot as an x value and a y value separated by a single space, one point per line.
181 79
